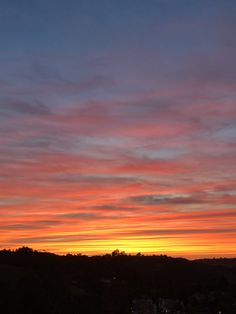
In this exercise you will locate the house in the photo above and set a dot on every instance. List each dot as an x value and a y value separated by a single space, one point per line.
143 305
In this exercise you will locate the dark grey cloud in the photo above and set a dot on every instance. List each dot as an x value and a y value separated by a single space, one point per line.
23 107
81 215
165 199
42 71
110 207
94 179
199 215
89 216
19 227
30 226
56 239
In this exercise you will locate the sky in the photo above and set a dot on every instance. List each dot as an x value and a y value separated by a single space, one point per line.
118 126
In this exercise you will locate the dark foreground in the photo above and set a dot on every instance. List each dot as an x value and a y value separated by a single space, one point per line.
33 283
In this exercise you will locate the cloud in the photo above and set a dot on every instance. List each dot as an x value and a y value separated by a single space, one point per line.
115 208
22 107
165 199
82 215
38 225
157 232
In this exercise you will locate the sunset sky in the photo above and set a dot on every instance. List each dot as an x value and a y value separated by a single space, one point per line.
118 126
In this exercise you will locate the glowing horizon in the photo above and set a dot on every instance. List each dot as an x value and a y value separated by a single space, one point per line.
117 127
